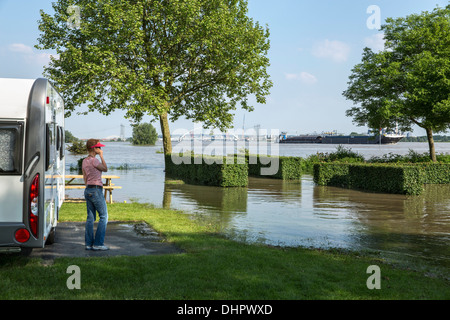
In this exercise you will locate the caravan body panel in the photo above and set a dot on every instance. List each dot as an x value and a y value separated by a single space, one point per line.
14 94
11 193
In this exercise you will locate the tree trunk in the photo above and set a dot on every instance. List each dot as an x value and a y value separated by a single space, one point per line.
431 144
167 143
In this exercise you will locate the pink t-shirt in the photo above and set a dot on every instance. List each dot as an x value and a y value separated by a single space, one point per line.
93 175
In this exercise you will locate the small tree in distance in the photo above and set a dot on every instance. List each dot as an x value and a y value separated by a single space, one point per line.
144 134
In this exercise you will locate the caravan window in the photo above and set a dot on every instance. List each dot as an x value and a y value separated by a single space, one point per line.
62 146
10 148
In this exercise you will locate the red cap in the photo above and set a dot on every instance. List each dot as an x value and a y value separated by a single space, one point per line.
98 145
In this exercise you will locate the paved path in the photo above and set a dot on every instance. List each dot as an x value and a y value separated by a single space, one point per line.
123 239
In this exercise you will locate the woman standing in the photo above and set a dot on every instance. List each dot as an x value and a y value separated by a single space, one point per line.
95 202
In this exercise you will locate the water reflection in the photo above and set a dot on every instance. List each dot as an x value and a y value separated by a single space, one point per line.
226 200
221 204
424 214
400 227
294 213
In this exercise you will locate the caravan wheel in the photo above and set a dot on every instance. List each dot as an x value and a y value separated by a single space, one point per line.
51 236
25 251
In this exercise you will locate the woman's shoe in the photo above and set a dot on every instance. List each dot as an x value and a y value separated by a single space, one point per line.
100 248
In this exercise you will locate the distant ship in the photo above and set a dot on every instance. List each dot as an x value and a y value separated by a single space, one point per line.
334 138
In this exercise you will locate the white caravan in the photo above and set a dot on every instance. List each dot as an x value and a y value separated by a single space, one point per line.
31 163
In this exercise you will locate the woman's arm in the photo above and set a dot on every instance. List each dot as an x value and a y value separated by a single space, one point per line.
84 177
102 166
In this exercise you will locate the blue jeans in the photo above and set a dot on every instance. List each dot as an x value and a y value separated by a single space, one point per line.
95 202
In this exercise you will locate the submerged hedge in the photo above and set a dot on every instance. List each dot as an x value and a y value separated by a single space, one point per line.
375 177
387 178
210 171
331 174
436 173
286 168
231 171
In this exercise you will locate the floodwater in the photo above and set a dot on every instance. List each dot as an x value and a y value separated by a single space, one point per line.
408 230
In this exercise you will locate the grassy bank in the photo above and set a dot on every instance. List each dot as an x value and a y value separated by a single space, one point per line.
212 267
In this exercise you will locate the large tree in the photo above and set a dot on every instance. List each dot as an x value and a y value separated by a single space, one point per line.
407 83
167 58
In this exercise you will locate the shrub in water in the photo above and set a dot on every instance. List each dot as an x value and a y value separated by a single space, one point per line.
211 171
286 168
388 178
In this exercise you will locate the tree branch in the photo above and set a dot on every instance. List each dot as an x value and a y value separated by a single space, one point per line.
416 122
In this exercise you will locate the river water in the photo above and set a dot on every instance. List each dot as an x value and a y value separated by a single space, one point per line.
408 230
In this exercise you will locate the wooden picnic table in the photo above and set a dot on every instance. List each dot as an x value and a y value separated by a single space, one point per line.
108 186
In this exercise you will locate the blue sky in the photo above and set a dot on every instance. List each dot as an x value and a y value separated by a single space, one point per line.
314 45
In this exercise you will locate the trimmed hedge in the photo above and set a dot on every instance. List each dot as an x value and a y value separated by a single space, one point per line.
210 171
386 178
436 173
331 174
286 168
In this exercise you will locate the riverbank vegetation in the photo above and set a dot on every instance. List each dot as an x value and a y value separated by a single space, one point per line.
78 147
347 155
391 173
436 138
233 170
211 267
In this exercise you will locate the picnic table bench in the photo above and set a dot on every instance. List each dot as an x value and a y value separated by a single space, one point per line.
108 186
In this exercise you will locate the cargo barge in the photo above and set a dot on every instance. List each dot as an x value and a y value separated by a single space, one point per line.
390 138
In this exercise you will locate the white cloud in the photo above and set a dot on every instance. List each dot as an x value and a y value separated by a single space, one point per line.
335 50
20 48
307 78
375 42
304 77
29 55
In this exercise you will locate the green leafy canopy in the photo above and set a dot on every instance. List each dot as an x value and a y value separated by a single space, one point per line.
409 81
193 58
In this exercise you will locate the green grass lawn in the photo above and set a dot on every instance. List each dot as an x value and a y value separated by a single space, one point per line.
211 267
